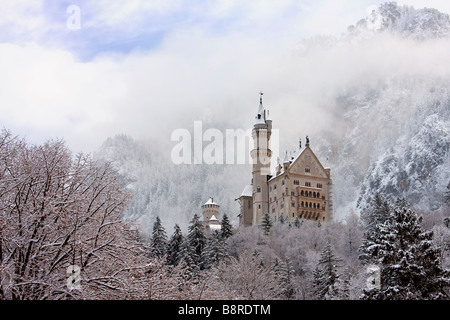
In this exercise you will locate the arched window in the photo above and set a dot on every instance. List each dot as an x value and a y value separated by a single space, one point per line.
318 194
314 194
258 189
302 193
310 194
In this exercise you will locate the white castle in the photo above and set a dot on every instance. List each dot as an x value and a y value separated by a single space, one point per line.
301 187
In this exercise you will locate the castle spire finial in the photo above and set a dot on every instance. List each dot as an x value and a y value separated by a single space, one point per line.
260 98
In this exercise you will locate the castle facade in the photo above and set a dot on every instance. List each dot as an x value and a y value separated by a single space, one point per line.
300 187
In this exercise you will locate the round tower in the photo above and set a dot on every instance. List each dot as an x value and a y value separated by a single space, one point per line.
261 155
210 209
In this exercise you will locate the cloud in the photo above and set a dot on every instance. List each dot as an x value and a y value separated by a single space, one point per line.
209 64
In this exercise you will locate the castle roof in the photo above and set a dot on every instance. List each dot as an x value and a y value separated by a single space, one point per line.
210 201
248 191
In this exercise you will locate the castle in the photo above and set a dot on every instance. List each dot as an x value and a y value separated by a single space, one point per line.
210 212
301 187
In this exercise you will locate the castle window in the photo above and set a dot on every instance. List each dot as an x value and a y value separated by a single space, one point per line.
293 204
318 195
310 194
293 214
319 185
293 193
307 170
307 184
259 206
314 194
258 189
296 182
274 186
302 193
282 183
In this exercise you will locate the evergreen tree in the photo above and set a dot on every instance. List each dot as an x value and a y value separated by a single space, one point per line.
191 268
447 195
377 215
266 223
159 239
226 230
401 203
297 222
410 263
325 273
215 250
196 239
174 246
282 219
284 273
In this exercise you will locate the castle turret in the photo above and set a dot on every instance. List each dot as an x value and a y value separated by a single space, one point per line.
261 155
210 212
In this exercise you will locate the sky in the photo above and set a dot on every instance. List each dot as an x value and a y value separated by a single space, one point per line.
87 70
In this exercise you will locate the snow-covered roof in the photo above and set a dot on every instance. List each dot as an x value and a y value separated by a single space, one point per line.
210 201
213 218
215 226
248 191
260 120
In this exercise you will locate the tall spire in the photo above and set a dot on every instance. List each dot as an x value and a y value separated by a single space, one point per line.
260 116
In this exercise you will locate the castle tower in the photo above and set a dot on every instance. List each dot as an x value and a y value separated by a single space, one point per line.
261 155
210 212
209 209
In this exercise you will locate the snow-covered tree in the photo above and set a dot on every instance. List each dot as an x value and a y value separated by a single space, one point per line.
159 239
248 277
62 236
196 239
325 273
297 222
188 263
410 264
226 230
266 223
284 272
447 195
215 250
174 246
378 214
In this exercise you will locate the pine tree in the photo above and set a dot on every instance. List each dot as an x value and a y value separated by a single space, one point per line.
297 222
215 250
174 246
266 223
325 273
226 230
190 267
282 219
159 239
447 195
377 215
410 263
196 239
284 273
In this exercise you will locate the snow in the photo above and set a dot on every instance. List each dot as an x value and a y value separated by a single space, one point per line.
248 191
215 226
